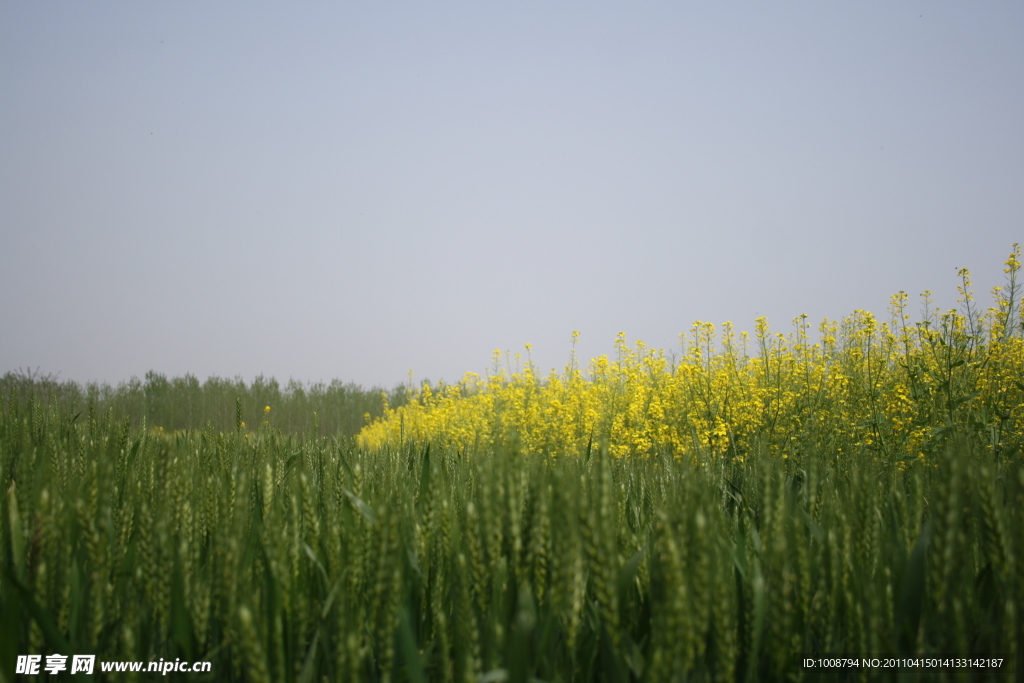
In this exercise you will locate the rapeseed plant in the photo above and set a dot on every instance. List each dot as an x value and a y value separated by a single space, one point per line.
890 388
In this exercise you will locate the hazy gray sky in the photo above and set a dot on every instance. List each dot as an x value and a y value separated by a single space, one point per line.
355 190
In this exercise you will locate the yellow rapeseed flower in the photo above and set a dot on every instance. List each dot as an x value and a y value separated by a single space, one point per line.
730 394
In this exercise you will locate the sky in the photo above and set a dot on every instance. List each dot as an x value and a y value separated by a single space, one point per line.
357 191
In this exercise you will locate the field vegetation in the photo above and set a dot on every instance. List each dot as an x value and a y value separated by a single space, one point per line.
713 517
184 403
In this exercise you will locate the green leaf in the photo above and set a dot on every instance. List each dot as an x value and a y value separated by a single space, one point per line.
181 618
739 554
633 655
911 595
17 536
627 575
759 620
311 554
424 478
330 600
410 650
965 399
613 668
414 563
53 636
522 635
308 672
361 506
11 624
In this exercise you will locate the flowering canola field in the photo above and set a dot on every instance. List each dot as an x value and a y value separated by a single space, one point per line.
893 387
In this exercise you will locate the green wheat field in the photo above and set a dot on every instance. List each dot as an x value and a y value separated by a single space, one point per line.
722 514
